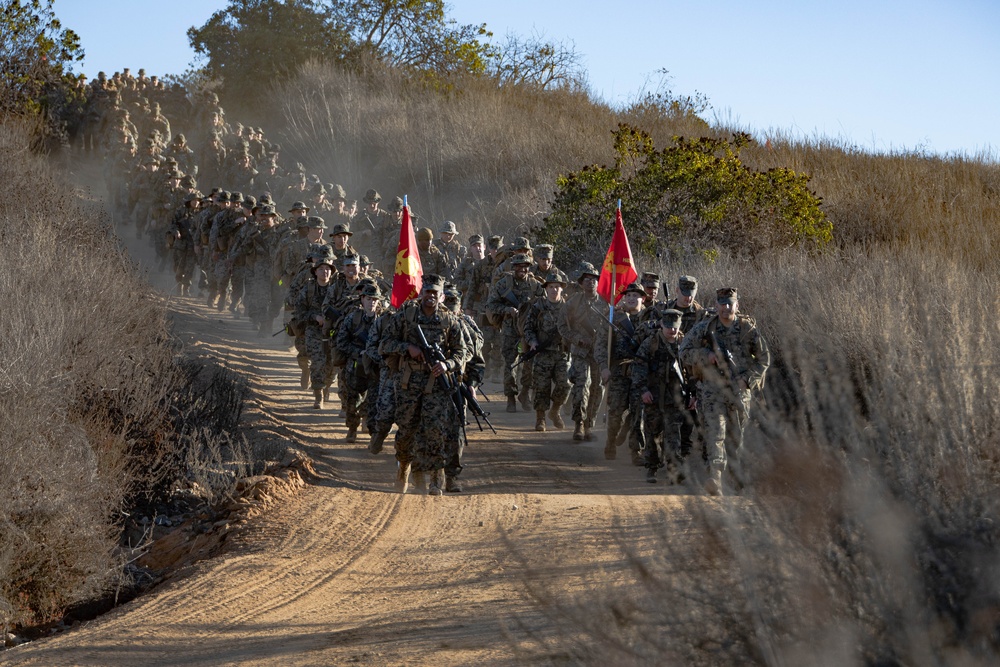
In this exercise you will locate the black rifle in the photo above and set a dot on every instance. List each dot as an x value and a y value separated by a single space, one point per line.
433 354
460 394
730 371
528 356
474 407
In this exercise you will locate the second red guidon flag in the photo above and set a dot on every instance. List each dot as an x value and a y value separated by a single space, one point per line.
408 273
618 270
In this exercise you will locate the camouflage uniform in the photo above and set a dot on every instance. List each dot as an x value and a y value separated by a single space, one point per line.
341 298
425 412
625 340
256 247
181 241
381 411
309 305
551 364
471 375
657 369
356 379
302 277
510 292
724 405
476 297
580 326
452 252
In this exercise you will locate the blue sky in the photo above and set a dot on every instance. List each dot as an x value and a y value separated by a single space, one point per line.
881 75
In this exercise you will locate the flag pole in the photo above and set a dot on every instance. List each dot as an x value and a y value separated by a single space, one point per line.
612 293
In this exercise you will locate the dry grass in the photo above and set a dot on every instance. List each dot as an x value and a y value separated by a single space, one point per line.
872 534
870 530
479 155
92 398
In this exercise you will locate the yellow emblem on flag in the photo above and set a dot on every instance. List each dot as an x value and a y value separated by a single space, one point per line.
620 269
405 265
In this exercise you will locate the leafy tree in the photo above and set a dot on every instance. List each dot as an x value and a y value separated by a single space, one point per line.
253 42
692 197
414 34
36 58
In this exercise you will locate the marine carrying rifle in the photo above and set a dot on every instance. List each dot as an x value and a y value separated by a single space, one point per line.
721 353
460 392
528 356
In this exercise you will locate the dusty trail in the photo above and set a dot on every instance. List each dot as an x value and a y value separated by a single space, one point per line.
348 571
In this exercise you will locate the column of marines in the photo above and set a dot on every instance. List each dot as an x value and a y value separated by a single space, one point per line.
670 373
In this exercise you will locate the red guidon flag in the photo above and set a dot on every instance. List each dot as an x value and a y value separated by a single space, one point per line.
408 272
618 270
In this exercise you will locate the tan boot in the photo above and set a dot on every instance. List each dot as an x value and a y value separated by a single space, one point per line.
304 378
326 394
435 488
352 435
525 400
419 481
511 404
713 485
557 420
402 477
578 431
587 434
318 395
610 451
539 420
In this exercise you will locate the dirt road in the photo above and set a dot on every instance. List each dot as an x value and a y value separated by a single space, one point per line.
347 571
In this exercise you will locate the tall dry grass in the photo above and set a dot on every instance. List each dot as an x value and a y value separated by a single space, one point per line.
476 154
869 531
93 401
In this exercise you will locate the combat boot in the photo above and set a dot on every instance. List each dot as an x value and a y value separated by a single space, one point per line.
402 477
539 420
352 435
435 488
318 395
637 458
713 485
557 420
525 400
588 435
651 475
578 431
610 451
419 481
451 485
304 378
511 404
326 396
375 444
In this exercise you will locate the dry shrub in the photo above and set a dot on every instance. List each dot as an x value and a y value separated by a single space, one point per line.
870 529
91 393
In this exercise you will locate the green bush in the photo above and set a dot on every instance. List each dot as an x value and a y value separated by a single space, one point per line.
691 198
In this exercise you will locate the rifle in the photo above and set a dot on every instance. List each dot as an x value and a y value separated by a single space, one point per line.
730 371
528 356
433 354
474 407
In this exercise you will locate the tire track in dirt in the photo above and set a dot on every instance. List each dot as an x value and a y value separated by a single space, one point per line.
347 571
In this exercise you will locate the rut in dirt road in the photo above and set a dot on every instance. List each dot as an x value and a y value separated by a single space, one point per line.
348 570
